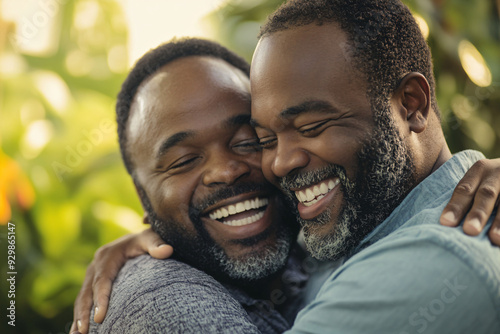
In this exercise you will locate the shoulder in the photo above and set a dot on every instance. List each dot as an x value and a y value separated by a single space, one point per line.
434 245
145 269
145 275
151 295
430 251
422 277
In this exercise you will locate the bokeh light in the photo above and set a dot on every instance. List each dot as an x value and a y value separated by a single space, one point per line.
474 64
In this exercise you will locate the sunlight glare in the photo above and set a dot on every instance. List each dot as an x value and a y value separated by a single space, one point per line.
474 64
422 24
161 20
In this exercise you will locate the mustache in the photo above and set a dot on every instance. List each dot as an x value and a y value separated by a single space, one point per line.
305 179
221 194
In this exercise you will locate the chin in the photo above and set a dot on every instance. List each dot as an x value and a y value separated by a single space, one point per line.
265 256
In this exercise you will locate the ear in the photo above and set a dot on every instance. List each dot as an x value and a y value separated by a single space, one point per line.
413 94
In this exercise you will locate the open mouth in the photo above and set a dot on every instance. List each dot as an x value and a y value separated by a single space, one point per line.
311 195
241 213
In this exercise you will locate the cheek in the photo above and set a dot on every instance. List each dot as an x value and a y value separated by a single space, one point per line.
174 196
267 163
254 160
337 150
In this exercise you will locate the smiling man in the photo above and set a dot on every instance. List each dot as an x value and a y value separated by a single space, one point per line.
196 164
183 123
344 106
345 165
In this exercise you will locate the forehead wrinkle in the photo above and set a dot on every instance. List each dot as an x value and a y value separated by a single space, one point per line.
309 106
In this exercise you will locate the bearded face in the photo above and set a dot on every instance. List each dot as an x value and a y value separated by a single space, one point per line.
384 177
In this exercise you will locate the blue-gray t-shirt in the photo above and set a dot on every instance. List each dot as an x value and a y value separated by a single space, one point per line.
412 275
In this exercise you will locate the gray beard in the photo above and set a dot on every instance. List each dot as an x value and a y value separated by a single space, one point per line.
201 251
385 176
256 265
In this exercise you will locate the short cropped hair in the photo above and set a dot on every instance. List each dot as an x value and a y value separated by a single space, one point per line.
152 61
385 40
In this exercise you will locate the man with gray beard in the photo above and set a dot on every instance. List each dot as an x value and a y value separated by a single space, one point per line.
344 106
385 176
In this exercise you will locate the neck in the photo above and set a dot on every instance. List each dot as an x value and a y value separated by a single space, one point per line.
443 156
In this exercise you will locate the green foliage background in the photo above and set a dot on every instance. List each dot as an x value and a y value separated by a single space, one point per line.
92 201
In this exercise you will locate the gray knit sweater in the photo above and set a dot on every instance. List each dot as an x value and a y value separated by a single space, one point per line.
168 296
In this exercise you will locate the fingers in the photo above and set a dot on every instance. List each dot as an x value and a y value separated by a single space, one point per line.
102 290
484 203
477 191
460 202
107 262
151 242
83 304
161 252
494 233
74 327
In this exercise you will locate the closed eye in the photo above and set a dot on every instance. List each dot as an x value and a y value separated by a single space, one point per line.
182 163
309 128
314 128
267 143
248 145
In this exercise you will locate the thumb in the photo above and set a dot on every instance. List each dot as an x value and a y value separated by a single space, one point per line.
155 245
162 251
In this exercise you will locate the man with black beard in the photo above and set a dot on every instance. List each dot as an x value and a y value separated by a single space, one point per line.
183 125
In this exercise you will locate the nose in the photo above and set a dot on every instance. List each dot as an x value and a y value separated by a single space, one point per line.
288 159
225 170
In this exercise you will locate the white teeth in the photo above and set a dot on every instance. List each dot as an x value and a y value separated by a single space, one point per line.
301 195
314 200
315 193
309 194
245 221
239 207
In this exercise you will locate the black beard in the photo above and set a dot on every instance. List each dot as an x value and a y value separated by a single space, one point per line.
202 252
385 176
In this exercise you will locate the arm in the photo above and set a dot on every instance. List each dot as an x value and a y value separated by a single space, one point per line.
108 261
475 198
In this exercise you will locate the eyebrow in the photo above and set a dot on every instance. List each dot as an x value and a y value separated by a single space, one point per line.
237 120
172 141
308 106
304 107
179 137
